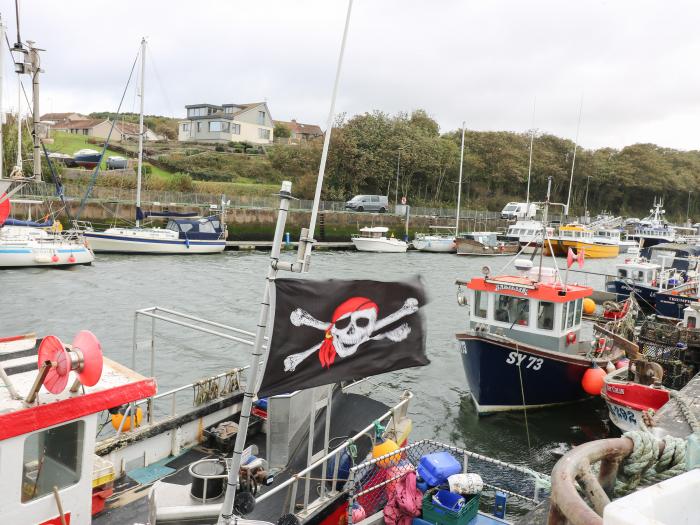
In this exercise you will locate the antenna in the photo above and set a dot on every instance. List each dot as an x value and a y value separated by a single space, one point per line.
529 165
56 360
573 162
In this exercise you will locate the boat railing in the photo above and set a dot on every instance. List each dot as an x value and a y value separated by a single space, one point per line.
371 481
203 390
318 467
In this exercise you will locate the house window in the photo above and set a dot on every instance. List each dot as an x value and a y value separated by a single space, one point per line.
264 133
218 126
52 458
236 129
199 127
85 132
261 117
186 126
228 109
545 315
513 310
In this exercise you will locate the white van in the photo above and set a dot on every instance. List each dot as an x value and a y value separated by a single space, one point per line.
519 210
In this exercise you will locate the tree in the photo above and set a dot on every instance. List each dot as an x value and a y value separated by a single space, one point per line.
281 131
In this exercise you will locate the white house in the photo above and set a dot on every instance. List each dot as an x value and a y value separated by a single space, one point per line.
228 122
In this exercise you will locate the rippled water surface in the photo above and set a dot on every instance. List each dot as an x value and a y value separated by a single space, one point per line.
227 288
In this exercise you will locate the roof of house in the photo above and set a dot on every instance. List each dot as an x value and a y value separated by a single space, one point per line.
80 124
129 128
57 117
241 108
302 129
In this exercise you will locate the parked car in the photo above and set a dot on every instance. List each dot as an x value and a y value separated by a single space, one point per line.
378 203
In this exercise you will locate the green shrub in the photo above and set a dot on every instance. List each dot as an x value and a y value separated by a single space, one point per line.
220 148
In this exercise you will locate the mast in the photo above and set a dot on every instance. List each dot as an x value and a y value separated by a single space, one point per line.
459 186
544 225
2 114
573 162
18 165
529 164
34 70
140 161
302 264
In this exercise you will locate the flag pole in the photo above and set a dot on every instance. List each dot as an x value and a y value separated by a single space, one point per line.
227 507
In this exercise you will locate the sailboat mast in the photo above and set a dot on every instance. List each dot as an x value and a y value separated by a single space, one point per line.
459 187
18 165
140 161
573 161
529 164
2 115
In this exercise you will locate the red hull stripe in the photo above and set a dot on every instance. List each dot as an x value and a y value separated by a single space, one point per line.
30 419
635 396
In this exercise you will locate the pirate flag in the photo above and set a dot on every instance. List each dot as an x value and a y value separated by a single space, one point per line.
330 331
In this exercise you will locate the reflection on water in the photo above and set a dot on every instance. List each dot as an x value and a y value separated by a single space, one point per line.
227 288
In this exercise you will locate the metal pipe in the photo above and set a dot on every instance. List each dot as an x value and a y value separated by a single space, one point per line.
251 385
326 436
200 329
310 447
134 344
459 190
529 164
35 70
326 144
140 159
147 311
153 347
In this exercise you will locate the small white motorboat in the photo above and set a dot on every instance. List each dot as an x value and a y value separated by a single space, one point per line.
22 246
436 241
374 239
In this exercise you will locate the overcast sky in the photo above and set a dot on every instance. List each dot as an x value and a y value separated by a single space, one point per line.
635 62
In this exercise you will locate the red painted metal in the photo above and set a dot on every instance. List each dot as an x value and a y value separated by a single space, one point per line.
636 396
53 350
5 207
91 349
524 287
99 496
37 417
57 520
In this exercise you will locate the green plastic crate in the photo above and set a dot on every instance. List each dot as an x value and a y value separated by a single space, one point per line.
441 516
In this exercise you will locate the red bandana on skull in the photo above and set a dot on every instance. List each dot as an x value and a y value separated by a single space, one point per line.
326 353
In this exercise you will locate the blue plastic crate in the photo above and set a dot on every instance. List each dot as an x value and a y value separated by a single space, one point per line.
446 512
435 468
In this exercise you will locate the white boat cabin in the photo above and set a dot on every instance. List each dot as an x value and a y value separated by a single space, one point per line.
374 232
577 233
608 236
527 231
47 440
639 272
691 316
535 311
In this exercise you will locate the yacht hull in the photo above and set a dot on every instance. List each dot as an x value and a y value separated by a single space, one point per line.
381 245
23 256
435 244
628 401
102 242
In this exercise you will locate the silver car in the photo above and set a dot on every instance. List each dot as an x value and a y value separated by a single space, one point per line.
378 203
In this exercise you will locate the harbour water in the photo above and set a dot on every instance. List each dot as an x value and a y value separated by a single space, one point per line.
227 288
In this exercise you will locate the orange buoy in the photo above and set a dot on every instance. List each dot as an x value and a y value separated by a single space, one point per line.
117 420
385 447
593 380
588 306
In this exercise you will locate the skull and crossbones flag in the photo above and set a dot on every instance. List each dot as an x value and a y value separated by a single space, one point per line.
329 331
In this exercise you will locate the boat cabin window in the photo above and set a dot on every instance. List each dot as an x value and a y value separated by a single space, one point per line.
621 272
513 310
571 314
481 304
545 315
206 227
52 458
579 311
692 322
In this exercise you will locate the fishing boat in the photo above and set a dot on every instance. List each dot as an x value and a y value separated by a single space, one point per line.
670 267
579 237
668 358
524 346
653 229
436 241
485 243
374 239
613 236
184 234
87 158
529 234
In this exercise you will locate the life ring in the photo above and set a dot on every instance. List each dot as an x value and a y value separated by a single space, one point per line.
570 338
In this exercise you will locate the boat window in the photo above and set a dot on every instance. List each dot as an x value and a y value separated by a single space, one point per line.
545 315
52 458
692 322
185 227
570 312
172 225
622 273
579 305
563 315
513 310
481 304
216 224
640 275
206 227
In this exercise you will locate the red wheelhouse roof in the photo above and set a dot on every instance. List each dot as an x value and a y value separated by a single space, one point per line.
519 286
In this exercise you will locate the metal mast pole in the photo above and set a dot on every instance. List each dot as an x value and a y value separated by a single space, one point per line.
36 117
308 241
140 161
573 161
545 218
459 186
398 167
585 204
19 125
2 113
529 164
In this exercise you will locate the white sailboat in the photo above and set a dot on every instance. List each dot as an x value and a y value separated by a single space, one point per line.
184 233
443 242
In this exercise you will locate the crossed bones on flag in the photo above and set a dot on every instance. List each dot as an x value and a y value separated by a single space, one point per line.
353 323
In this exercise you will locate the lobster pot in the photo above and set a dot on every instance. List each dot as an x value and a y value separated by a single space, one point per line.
201 473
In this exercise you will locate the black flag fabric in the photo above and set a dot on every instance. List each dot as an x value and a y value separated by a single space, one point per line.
337 330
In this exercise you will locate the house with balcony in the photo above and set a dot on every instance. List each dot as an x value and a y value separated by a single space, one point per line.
228 122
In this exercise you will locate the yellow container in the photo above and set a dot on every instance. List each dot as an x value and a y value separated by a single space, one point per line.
386 447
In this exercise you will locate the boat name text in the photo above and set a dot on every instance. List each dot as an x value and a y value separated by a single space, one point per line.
512 288
515 358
